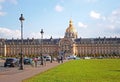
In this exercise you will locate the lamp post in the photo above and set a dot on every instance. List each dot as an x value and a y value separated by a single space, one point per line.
51 51
41 45
21 53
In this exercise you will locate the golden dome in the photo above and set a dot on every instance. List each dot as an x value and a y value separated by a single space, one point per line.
71 28
71 31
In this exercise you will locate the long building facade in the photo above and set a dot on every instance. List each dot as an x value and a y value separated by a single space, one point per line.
69 45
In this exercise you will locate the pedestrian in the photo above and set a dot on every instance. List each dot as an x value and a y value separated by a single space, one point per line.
44 61
35 61
61 59
32 62
58 59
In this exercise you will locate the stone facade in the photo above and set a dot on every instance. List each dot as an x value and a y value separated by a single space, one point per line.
69 45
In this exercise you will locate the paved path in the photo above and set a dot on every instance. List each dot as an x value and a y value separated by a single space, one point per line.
15 75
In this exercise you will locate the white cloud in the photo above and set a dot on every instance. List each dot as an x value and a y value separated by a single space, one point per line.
2 1
37 35
58 8
33 35
95 15
106 25
116 12
80 24
8 33
113 20
115 16
109 25
13 1
2 13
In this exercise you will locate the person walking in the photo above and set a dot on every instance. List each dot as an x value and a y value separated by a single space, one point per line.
58 59
61 59
35 61
32 62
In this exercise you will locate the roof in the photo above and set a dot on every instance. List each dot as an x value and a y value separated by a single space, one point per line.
32 41
56 41
96 40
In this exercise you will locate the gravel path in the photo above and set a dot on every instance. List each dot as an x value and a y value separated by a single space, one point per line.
16 75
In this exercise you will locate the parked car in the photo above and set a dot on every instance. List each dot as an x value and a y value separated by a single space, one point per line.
11 62
77 58
47 58
71 57
87 58
27 60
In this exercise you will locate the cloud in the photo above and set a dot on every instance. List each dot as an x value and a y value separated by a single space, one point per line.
2 1
33 35
37 35
95 15
2 13
113 20
59 8
80 24
8 33
13 1
115 16
105 25
110 26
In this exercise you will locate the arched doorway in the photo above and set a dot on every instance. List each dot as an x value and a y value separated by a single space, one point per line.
66 46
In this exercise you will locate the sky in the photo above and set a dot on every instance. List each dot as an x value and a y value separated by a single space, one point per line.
91 18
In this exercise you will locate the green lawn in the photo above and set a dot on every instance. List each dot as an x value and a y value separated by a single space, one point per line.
93 70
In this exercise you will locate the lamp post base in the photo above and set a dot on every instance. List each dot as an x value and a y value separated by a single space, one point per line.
41 60
21 68
21 61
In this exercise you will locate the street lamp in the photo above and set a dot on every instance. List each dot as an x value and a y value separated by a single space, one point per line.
51 52
21 53
41 45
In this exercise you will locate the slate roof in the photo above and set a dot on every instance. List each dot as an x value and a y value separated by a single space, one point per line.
32 41
56 41
97 40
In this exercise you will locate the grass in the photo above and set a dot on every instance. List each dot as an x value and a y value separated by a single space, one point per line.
94 70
